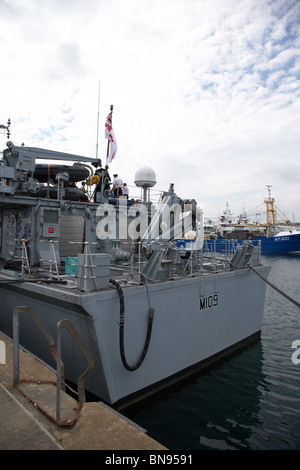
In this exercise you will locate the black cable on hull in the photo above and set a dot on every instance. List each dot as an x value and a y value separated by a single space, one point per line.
122 321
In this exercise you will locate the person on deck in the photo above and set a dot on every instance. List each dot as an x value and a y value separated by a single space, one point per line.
117 186
83 188
101 175
125 190
106 177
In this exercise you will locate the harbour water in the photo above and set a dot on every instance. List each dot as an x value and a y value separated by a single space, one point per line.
249 402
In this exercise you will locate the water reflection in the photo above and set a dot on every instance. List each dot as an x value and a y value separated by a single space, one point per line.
248 402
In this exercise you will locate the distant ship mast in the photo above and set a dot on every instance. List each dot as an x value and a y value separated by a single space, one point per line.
271 213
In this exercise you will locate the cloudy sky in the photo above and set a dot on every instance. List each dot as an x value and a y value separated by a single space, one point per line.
206 92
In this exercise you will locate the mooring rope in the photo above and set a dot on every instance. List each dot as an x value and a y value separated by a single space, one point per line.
276 288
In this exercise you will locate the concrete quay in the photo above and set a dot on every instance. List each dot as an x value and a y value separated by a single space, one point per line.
25 427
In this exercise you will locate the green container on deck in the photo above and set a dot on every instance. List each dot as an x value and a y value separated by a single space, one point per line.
71 265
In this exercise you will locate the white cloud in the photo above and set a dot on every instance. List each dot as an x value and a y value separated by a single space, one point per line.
204 91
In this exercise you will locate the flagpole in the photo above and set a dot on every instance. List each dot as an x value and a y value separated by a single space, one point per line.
98 120
111 109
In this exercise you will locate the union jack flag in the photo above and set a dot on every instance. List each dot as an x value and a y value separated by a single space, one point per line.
108 125
110 135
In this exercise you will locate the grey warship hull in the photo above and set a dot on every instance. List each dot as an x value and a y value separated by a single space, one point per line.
196 321
148 313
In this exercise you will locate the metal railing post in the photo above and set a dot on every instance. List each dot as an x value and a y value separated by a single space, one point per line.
85 351
58 374
16 342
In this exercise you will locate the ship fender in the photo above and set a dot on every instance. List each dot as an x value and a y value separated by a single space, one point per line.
122 322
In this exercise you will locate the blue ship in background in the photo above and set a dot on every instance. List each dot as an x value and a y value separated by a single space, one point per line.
275 236
283 242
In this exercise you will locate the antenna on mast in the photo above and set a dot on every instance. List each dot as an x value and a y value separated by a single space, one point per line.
98 120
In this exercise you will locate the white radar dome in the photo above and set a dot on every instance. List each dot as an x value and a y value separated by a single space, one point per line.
145 177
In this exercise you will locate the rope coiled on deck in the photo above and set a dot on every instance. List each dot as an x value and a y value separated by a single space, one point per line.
122 322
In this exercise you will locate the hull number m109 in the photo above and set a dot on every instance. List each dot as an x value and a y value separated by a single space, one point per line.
209 301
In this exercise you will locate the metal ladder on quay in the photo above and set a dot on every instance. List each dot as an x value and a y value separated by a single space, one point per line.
50 396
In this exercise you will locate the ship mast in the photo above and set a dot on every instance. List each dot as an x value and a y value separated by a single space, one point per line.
98 121
271 215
